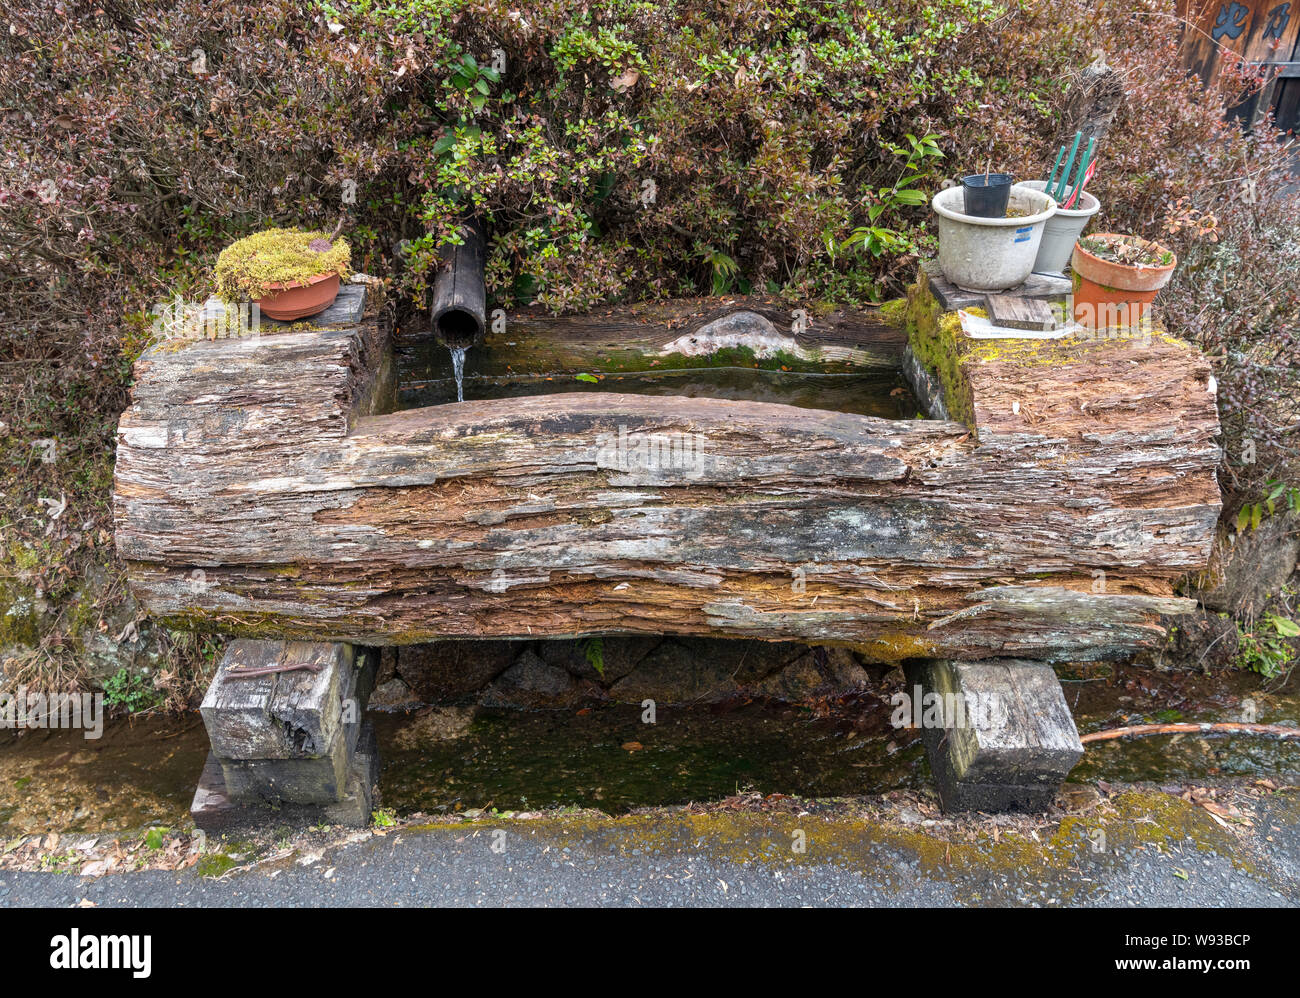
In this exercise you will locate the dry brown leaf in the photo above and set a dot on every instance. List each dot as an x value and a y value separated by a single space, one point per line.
626 80
95 868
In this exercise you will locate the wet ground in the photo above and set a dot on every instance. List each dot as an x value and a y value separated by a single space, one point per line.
447 760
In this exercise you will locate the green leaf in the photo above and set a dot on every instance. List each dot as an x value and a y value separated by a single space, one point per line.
1286 627
1243 518
587 377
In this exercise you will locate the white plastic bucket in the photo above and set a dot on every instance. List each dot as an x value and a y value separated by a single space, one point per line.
1062 231
990 254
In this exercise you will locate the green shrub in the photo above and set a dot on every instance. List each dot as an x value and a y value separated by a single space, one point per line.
1265 648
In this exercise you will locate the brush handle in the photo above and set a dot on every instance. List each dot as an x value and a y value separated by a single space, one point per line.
1051 180
1078 191
1084 163
1069 165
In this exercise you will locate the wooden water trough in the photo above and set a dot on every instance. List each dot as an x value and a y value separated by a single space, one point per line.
265 489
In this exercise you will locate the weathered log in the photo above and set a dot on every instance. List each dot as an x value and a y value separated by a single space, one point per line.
257 494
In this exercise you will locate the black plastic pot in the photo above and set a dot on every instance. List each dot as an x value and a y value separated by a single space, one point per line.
986 194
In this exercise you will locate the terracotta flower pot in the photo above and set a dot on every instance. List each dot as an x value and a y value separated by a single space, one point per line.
300 299
1115 294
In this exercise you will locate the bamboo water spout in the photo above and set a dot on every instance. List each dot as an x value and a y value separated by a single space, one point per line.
458 306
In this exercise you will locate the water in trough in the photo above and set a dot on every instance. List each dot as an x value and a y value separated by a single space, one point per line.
871 393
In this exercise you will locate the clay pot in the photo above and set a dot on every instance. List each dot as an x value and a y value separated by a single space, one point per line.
300 299
1115 294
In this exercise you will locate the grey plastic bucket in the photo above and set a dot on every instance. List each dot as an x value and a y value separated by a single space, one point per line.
1061 232
989 254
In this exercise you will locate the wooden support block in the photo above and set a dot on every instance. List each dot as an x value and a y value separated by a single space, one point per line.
316 780
1012 312
288 715
1006 740
214 811
288 737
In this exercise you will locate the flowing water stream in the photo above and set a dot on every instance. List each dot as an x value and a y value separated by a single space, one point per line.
458 371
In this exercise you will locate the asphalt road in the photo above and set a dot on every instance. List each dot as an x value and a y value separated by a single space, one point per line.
745 859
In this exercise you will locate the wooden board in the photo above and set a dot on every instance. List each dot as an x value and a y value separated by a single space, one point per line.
951 297
1259 31
1011 312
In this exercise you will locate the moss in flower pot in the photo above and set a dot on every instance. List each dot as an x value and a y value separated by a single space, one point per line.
291 274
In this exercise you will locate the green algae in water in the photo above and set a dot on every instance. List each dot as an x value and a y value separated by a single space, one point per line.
514 760
138 773
145 771
1122 702
872 393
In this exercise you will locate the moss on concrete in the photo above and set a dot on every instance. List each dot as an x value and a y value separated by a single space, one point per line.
978 857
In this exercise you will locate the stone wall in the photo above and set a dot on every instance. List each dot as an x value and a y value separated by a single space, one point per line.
566 673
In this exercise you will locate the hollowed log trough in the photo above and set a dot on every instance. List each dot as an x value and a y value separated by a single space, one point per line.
263 490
